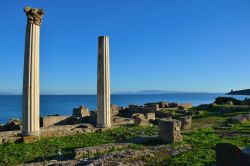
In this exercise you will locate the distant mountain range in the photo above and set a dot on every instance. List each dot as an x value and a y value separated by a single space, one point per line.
155 92
5 93
240 92
126 92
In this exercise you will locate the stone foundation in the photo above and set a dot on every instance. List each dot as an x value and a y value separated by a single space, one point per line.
54 120
186 122
170 130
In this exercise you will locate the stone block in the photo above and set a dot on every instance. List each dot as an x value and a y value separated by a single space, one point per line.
141 121
186 122
150 116
170 130
173 105
230 155
54 120
115 109
82 111
185 105
30 139
133 115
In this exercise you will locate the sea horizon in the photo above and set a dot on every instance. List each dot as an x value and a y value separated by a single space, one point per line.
11 105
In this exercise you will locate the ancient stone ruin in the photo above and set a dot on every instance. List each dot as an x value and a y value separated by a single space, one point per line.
103 83
230 155
31 82
170 130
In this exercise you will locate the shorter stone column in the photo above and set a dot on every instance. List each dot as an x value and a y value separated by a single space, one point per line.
186 122
170 130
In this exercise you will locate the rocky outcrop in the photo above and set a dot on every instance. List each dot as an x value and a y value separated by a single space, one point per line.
230 155
11 125
82 111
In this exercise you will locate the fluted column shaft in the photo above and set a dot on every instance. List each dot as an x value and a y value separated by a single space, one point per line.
103 83
31 80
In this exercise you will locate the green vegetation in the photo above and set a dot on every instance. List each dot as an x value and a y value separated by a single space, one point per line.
227 100
203 142
206 133
51 148
240 92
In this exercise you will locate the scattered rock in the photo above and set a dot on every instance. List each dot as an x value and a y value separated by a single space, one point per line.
12 124
141 122
115 109
239 119
133 157
117 121
172 105
82 111
88 151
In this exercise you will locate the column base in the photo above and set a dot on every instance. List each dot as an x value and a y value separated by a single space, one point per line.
103 125
33 133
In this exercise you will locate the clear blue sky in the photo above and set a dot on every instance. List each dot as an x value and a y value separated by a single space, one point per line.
194 45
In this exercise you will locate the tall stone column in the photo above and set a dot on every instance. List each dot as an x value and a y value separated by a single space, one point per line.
103 83
31 81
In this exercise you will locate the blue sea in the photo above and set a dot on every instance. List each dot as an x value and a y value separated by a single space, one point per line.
11 105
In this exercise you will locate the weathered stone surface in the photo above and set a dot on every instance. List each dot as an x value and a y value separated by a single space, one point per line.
185 105
186 122
30 139
173 105
47 121
182 111
34 15
150 116
127 157
31 75
170 130
103 83
117 121
115 109
93 117
141 121
154 106
10 139
81 111
230 155
138 109
137 115
163 114
80 152
12 124
133 157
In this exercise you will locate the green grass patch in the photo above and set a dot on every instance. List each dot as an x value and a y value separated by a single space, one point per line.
50 148
243 127
203 152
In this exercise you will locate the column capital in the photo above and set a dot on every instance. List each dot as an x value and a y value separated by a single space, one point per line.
34 15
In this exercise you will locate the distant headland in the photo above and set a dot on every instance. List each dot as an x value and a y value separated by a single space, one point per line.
240 92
